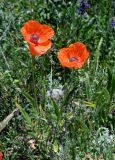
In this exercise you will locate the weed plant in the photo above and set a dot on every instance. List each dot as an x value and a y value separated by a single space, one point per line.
75 111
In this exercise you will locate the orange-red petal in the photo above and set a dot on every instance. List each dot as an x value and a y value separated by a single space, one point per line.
40 49
29 28
80 50
45 32
1 156
77 51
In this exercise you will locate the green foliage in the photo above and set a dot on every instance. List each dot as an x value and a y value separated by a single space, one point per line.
77 122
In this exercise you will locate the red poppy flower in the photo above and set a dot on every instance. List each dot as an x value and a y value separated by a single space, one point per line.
1 156
38 37
73 56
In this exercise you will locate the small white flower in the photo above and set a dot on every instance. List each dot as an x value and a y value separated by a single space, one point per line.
55 93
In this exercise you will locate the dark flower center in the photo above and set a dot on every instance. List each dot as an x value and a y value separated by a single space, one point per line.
72 59
34 38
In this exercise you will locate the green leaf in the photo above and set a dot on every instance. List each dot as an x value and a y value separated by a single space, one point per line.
109 71
102 101
111 81
97 55
68 96
55 146
69 115
88 87
56 108
89 104
112 107
113 85
43 96
30 99
25 114
113 156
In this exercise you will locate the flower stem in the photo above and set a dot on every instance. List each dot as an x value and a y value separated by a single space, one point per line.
33 79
